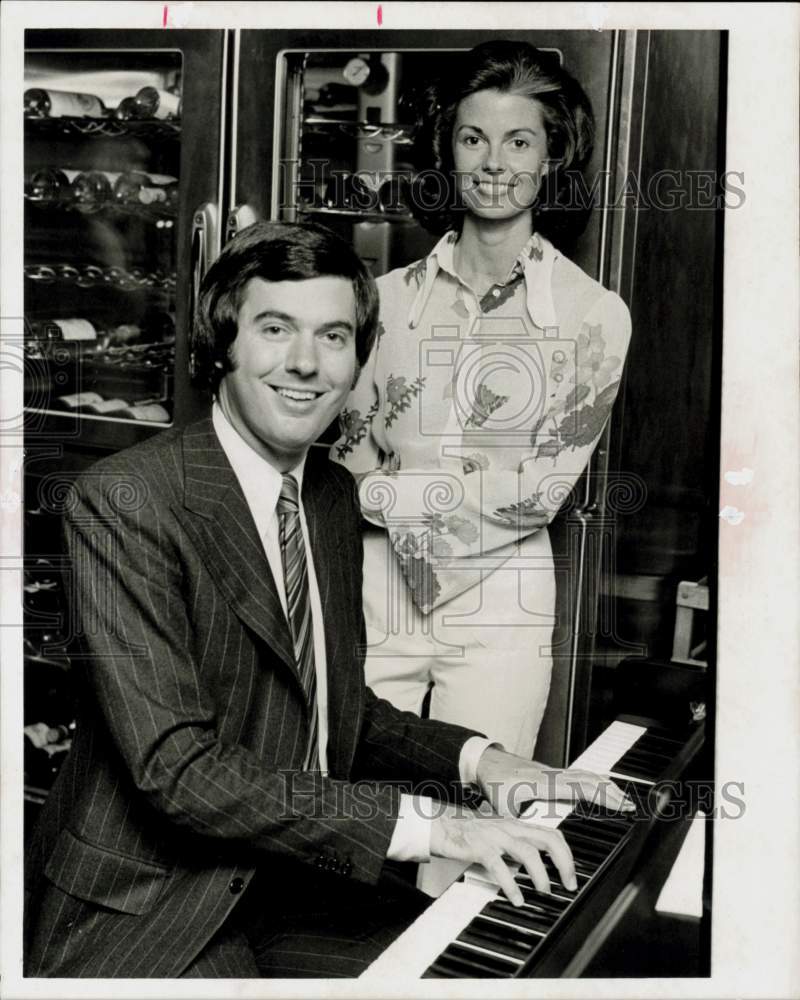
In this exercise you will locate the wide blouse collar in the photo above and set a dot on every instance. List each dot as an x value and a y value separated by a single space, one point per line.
535 261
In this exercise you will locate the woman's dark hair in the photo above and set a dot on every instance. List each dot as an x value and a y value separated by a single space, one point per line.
511 68
274 252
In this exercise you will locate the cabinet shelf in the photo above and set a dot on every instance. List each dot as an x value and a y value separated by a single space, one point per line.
402 218
146 212
394 132
98 419
106 128
93 276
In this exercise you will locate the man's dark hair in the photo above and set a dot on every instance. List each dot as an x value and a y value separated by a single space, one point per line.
510 68
273 251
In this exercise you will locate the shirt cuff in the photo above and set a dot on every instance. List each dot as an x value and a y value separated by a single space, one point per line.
411 840
471 753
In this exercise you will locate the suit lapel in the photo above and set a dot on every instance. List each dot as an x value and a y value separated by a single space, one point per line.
219 522
322 493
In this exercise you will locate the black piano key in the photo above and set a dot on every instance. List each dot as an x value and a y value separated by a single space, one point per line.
598 813
581 874
660 758
449 966
441 970
584 863
496 938
638 793
585 860
533 902
489 965
522 933
662 741
653 764
545 902
590 833
637 768
521 916
577 838
677 737
593 830
557 891
586 855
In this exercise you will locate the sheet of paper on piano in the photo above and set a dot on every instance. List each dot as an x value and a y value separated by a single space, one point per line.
682 893
418 946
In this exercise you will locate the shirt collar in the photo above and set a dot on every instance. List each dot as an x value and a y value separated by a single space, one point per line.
260 481
535 261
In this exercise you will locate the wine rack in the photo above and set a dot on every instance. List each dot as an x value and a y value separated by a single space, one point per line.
102 207
92 275
401 135
105 128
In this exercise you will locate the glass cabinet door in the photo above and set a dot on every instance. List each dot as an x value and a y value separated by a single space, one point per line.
102 178
121 158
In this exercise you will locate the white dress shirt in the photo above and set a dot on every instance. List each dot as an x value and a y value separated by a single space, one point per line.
261 485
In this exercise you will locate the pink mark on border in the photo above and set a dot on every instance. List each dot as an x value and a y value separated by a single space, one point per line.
380 15
164 16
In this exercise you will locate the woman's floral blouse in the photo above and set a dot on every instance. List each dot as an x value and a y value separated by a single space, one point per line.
473 418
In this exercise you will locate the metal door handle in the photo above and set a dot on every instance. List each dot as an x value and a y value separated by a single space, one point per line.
239 218
203 250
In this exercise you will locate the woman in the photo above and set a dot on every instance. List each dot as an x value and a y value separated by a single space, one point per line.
495 369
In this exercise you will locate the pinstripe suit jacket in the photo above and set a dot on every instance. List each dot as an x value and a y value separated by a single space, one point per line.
183 778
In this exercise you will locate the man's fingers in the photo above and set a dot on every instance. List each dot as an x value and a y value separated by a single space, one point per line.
527 847
559 851
601 791
619 800
500 873
537 871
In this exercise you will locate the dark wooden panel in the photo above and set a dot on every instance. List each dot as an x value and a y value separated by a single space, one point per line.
666 423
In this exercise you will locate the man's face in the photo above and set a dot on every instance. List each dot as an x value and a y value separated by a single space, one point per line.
294 363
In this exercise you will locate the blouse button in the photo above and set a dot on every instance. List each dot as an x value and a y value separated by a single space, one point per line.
496 292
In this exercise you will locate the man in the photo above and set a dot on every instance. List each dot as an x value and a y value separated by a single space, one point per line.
227 808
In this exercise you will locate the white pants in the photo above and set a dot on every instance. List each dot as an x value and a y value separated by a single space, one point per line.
485 655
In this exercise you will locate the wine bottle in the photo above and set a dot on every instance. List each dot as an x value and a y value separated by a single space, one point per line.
50 185
136 188
76 400
92 190
126 110
63 329
107 406
147 411
41 103
154 103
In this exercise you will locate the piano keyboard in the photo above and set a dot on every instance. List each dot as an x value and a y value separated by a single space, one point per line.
472 931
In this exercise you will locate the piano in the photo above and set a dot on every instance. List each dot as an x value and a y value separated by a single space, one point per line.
472 931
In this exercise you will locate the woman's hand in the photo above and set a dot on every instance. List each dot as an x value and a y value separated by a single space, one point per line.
508 782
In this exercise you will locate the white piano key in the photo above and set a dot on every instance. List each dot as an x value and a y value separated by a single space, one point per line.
418 947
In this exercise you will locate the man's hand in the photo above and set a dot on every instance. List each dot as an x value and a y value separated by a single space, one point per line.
508 781
488 840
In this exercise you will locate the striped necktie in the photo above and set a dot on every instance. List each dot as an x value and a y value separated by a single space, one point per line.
298 603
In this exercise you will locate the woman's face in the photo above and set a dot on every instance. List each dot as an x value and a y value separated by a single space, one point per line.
500 153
